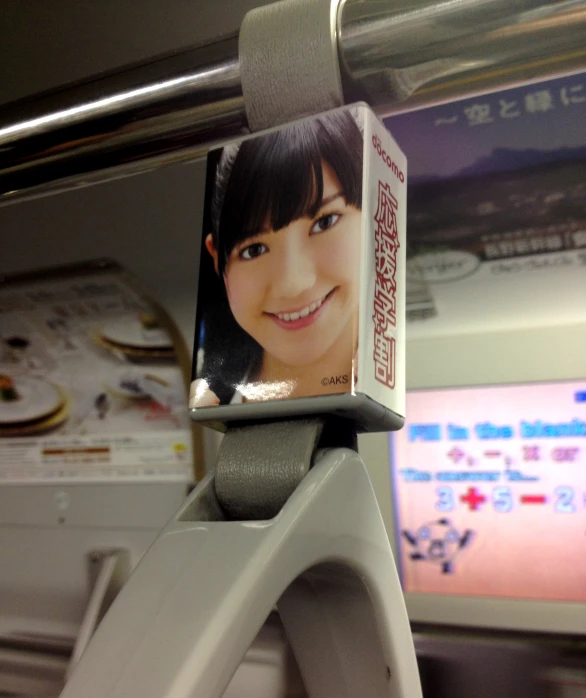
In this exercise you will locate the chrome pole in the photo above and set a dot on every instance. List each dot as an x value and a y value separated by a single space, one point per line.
414 53
397 55
121 124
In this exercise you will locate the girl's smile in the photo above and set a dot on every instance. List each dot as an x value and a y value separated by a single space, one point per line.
298 319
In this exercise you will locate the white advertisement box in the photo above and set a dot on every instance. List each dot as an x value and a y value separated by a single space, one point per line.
301 301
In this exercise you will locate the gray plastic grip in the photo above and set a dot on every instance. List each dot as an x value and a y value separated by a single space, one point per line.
259 466
289 62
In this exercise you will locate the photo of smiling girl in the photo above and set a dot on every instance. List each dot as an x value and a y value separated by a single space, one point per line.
279 271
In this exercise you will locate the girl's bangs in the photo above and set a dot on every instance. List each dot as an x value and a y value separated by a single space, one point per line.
284 182
278 178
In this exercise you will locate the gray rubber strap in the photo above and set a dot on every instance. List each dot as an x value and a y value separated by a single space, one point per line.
289 63
259 466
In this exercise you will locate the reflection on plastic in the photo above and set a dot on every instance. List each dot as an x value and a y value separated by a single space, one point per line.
201 395
266 390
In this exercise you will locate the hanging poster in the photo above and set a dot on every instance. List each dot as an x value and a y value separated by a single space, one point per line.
91 382
496 208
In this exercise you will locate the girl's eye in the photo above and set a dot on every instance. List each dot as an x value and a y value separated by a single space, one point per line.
253 251
325 222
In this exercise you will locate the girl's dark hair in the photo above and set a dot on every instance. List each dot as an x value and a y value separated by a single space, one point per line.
273 179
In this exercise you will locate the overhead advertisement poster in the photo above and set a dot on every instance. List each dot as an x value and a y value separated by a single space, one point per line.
496 207
91 382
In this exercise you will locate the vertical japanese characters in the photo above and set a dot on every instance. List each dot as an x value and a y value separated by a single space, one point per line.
385 291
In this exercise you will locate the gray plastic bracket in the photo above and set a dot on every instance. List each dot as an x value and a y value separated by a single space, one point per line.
289 63
183 622
109 570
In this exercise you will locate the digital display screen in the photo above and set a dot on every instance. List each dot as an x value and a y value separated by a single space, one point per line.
490 491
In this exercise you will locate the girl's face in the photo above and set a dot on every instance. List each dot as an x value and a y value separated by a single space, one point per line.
295 291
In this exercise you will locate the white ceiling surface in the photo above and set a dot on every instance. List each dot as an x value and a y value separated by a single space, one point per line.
151 223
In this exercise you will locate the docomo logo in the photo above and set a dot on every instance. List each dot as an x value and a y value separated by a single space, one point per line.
386 158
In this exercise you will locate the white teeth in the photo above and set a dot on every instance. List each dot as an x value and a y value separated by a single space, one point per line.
291 317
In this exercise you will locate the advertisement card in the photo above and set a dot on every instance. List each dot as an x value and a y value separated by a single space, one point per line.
91 386
496 209
301 281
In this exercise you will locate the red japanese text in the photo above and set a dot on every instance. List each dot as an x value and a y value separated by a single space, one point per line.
385 291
